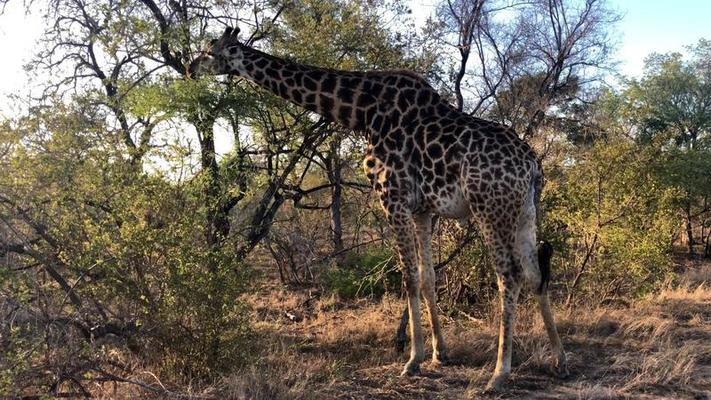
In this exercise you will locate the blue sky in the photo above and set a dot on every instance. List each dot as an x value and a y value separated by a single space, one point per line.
647 26
659 26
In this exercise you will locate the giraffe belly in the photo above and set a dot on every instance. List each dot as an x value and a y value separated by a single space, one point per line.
450 204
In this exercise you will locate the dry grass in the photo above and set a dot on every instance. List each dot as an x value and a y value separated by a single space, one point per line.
656 349
597 392
696 293
696 272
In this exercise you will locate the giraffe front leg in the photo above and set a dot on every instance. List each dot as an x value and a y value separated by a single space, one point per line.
403 226
509 290
428 285
417 351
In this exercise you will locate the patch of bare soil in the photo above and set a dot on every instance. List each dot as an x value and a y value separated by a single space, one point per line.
319 348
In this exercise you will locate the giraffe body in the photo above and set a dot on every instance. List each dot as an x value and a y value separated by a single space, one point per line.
424 158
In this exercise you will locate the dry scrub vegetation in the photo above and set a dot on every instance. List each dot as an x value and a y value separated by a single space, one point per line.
320 348
310 345
139 205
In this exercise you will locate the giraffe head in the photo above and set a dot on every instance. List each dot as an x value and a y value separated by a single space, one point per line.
222 56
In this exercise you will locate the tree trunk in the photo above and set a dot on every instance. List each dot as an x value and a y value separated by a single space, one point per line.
581 271
217 225
335 179
689 230
705 236
272 198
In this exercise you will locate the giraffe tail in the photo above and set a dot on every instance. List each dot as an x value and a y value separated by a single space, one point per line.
545 252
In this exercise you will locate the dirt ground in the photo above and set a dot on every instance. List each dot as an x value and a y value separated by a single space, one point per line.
315 347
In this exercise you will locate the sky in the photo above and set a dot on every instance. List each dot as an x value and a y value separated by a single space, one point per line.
19 34
647 26
659 26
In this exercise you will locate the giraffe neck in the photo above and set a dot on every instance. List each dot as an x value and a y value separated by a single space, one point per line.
351 98
325 92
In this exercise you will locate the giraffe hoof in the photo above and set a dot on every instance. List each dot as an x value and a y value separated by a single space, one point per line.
411 369
400 345
561 370
497 383
440 359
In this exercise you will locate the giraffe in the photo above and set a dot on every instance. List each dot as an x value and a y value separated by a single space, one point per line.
424 159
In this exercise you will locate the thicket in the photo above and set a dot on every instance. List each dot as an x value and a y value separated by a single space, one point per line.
137 205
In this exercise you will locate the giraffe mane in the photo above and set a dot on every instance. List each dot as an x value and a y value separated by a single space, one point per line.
407 72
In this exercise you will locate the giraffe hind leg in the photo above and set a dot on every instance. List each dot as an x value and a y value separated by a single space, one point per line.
535 260
509 288
499 235
545 251
561 363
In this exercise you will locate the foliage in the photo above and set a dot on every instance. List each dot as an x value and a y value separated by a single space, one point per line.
351 35
519 63
671 98
127 232
112 253
670 105
372 273
613 219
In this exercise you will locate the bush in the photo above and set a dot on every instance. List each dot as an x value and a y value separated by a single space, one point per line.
141 286
612 220
370 274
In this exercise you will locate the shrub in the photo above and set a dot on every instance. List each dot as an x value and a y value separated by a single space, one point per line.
372 273
612 220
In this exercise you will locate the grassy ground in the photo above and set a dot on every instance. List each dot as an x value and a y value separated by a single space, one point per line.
318 348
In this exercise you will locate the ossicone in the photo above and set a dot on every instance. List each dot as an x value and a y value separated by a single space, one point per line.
231 32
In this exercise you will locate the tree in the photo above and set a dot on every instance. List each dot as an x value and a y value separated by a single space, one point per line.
103 264
672 103
533 57
612 218
342 35
116 223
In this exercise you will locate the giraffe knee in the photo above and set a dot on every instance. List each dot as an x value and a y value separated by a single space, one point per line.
532 276
535 265
410 280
